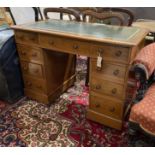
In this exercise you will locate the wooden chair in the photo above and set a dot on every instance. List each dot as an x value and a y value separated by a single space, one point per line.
101 16
62 12
128 15
80 10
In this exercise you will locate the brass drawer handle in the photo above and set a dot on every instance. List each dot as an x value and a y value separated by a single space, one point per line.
97 87
114 91
118 53
75 47
97 105
112 109
116 72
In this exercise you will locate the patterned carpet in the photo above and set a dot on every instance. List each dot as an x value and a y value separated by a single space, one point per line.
3 106
63 123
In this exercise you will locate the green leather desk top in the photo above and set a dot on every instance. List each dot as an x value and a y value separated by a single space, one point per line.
84 30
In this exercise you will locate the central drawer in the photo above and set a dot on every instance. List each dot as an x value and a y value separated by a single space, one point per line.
106 105
108 71
106 87
65 44
32 69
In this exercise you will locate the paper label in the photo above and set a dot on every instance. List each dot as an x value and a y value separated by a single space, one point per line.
99 61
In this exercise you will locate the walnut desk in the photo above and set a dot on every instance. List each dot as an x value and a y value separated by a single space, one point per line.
47 52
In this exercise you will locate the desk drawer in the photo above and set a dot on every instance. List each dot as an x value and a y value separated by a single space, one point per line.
106 105
40 97
111 72
111 53
64 44
32 69
108 88
38 85
26 37
31 54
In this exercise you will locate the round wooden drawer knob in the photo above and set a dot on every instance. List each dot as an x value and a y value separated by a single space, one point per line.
32 39
51 42
75 47
97 105
116 72
39 87
21 37
23 53
118 53
112 109
36 71
97 87
34 54
25 68
114 91
29 84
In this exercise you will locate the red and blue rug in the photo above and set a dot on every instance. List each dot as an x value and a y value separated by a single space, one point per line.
64 123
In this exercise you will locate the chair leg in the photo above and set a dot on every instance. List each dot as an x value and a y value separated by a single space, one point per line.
87 75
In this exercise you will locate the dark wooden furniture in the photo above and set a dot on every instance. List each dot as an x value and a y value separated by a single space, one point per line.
101 16
62 11
46 50
127 14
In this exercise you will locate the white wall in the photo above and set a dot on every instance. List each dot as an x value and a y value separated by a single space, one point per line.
24 15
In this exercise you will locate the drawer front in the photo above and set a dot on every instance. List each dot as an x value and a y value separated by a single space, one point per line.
50 41
32 69
108 88
26 37
64 44
103 119
35 84
111 53
106 105
40 97
113 72
31 54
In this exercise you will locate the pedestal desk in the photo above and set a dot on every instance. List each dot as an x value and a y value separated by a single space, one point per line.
47 52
